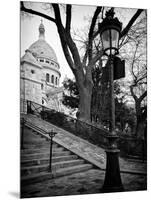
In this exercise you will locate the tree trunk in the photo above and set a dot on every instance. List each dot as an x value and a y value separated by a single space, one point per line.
139 132
140 129
85 104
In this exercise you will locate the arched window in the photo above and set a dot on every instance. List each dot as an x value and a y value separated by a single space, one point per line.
33 71
41 60
47 77
52 79
47 61
56 82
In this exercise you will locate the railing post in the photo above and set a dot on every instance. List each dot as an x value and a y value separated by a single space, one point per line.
22 133
51 135
143 150
43 117
28 107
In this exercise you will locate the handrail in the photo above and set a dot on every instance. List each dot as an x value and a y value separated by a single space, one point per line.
68 116
46 108
82 129
46 134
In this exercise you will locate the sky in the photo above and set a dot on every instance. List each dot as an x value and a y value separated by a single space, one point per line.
29 30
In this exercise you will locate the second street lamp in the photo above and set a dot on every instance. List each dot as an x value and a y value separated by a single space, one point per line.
110 29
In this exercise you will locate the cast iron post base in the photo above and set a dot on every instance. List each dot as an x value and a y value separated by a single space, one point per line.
112 182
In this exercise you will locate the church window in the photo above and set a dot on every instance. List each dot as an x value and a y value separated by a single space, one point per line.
33 71
52 79
47 61
41 60
42 86
47 77
56 81
42 101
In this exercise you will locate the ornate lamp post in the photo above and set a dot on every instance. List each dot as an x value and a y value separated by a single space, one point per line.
110 29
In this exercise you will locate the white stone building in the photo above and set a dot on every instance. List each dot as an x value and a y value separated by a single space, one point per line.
40 74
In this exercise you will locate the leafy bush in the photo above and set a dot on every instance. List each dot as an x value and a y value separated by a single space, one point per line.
53 117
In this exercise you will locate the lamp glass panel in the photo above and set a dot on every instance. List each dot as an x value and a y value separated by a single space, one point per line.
106 39
114 38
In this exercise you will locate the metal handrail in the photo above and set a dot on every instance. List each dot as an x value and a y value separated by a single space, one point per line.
46 134
51 135
22 132
48 109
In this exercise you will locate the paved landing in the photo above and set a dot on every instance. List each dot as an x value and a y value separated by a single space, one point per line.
89 182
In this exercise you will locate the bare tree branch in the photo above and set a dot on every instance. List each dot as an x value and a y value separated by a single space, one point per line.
133 73
98 55
133 94
91 31
68 43
131 22
34 12
143 96
68 17
62 34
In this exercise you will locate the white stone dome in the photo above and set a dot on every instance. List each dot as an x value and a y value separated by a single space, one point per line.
41 48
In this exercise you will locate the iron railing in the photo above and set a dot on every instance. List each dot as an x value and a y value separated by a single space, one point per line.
79 128
48 135
96 135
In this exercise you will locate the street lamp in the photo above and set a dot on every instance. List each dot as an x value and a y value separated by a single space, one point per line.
110 29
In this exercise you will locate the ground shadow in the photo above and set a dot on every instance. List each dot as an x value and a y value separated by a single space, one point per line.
15 194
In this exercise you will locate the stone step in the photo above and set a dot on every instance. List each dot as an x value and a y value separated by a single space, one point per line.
39 177
34 135
30 132
29 135
41 161
36 142
64 164
45 167
42 150
40 145
44 155
32 141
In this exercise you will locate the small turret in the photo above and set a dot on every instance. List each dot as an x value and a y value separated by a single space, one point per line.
41 31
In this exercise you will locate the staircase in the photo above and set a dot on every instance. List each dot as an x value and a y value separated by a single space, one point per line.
35 159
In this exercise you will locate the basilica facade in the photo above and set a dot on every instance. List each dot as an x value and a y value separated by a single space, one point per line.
40 74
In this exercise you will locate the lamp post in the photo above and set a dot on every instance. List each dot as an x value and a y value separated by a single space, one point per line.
110 29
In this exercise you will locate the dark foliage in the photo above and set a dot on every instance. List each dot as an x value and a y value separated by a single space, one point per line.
71 99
